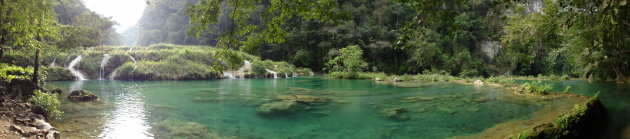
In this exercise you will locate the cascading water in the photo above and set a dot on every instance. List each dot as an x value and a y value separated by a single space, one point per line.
229 75
52 64
275 74
286 75
103 63
113 74
75 72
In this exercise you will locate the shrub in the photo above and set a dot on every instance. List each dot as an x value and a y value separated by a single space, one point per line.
536 87
349 61
57 74
47 104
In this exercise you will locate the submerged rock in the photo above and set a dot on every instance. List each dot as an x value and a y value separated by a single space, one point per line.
397 114
480 99
279 107
187 130
82 96
445 109
418 98
305 99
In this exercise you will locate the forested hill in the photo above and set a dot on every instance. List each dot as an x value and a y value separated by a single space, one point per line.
464 38
166 21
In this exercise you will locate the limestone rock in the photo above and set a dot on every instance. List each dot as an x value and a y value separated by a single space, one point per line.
378 79
398 80
82 96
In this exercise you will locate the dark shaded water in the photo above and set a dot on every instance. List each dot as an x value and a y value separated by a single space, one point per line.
228 108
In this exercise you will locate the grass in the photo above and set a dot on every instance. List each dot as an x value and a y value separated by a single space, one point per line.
536 87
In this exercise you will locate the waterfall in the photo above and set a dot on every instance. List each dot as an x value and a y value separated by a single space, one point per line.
103 63
133 59
286 75
113 74
311 73
53 63
75 72
229 75
275 74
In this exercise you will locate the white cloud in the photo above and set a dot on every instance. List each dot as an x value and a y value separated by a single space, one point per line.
125 12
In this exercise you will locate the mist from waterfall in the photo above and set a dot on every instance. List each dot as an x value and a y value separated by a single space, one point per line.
74 71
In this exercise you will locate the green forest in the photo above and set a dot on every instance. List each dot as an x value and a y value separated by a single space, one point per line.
468 38
47 45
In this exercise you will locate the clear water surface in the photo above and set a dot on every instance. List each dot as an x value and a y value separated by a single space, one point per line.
228 108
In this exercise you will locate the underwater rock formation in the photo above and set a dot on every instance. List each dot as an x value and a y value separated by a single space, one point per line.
288 104
397 114
82 96
280 107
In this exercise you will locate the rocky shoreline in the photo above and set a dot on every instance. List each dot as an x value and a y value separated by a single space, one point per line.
18 121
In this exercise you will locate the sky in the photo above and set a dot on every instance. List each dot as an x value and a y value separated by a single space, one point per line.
125 12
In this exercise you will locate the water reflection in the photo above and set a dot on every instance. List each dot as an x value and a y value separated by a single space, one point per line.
77 85
128 119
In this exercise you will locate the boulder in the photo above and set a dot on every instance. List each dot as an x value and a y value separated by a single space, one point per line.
378 79
397 114
397 80
82 96
279 107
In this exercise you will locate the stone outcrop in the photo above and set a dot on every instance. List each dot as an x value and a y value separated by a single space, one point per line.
82 96
18 118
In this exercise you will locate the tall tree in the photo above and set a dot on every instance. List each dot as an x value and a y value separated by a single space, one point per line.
26 24
256 21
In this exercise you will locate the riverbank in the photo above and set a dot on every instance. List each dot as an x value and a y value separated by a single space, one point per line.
18 121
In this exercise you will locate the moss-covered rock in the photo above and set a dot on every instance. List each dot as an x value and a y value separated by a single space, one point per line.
586 120
82 96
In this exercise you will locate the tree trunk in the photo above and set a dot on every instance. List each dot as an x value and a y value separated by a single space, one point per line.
36 71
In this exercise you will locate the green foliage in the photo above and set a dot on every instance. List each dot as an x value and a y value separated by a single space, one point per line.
254 21
349 61
57 74
536 87
26 25
567 89
10 72
48 103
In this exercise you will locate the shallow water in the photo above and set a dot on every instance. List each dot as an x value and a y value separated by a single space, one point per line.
228 108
